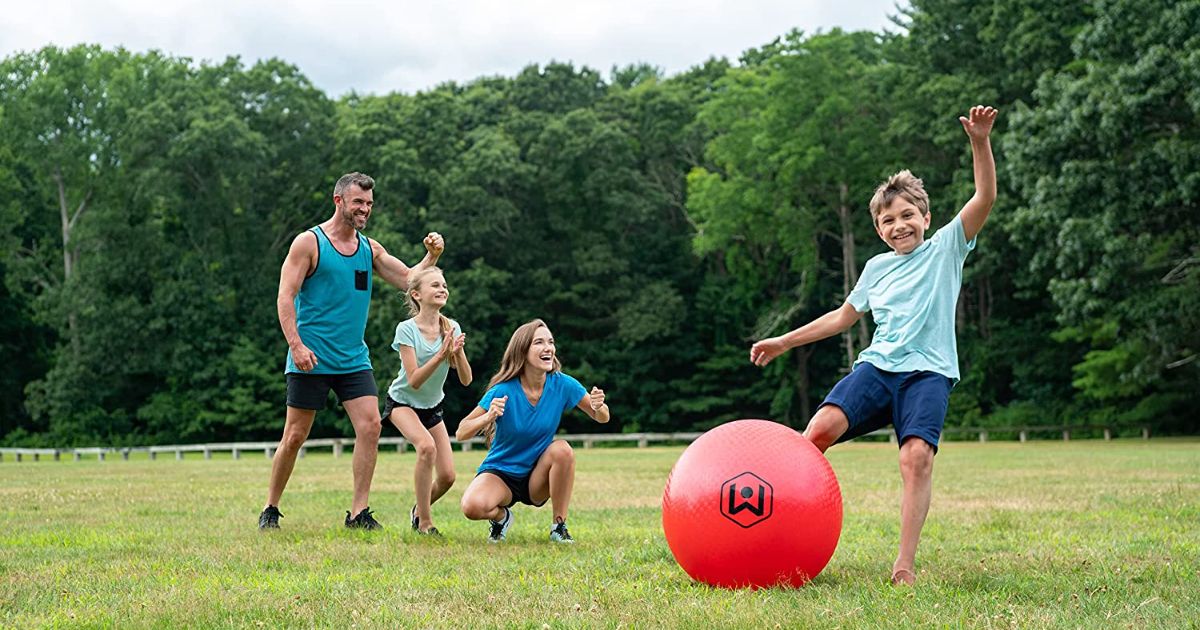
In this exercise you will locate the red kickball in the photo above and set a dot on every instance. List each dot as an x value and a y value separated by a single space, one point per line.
752 503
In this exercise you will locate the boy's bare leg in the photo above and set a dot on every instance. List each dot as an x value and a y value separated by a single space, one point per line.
826 426
364 416
916 469
295 430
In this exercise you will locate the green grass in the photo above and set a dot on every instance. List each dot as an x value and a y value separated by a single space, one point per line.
1048 534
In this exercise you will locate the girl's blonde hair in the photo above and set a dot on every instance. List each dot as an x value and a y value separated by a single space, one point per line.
415 280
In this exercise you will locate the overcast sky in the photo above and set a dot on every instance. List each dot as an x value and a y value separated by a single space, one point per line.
374 46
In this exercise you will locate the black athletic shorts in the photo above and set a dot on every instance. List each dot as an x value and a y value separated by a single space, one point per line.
309 391
519 486
429 417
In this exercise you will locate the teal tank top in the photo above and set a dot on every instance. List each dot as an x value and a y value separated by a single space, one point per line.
331 309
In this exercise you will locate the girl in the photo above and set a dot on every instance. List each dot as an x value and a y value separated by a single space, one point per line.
521 409
429 345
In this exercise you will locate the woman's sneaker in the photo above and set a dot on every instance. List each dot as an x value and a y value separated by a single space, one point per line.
559 533
500 529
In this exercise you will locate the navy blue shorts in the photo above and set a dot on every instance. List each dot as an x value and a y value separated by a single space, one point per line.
913 402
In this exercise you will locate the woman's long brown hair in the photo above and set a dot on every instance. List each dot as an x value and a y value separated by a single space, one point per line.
513 362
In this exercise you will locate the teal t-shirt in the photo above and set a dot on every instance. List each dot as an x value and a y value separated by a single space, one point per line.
912 298
430 393
331 309
525 431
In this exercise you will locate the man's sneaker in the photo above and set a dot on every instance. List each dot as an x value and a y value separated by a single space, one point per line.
500 529
416 522
269 519
364 520
559 533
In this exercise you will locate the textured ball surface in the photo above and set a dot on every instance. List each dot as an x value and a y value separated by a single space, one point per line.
752 503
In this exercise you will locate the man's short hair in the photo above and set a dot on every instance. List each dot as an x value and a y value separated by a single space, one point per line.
352 179
903 184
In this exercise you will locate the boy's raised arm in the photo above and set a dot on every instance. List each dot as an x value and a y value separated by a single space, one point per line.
978 125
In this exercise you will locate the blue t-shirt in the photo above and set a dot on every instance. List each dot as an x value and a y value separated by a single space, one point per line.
525 431
430 393
912 298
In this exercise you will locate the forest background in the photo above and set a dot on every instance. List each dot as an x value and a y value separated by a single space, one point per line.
660 224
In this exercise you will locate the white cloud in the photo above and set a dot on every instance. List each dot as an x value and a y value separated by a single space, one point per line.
376 47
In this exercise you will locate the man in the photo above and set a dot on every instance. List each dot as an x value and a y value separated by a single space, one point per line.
324 294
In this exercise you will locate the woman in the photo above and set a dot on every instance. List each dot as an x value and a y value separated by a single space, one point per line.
522 409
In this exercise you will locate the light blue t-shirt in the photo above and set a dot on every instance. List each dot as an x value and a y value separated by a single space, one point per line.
912 298
430 393
525 431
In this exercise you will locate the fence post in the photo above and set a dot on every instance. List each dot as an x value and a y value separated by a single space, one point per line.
589 443
269 452
1145 433
643 442
18 458
401 446
1066 434
466 446
302 451
125 454
100 455
1107 434
1022 436
153 455
983 436
178 454
75 455
337 448
236 453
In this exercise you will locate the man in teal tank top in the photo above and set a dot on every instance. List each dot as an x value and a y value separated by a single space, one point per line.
324 296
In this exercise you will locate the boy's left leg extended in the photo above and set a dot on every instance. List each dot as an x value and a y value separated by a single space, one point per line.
916 469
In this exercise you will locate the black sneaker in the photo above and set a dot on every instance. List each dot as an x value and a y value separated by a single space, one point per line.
364 520
500 529
559 533
416 522
269 519
432 532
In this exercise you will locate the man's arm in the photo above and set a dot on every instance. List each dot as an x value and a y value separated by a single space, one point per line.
827 325
296 267
979 129
394 271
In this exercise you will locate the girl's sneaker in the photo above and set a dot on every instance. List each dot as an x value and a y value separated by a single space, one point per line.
500 529
559 533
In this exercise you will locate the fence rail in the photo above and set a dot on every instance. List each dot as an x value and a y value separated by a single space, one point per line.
586 440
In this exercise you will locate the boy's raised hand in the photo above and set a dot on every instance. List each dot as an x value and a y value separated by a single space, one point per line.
978 122
765 351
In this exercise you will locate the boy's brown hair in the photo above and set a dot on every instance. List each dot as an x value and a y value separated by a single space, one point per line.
903 184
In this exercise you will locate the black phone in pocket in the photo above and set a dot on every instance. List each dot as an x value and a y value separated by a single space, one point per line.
360 280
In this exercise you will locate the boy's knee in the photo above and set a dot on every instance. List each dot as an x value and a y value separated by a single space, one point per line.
446 479
826 426
916 457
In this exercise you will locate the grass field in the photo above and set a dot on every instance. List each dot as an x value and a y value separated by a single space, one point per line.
1045 534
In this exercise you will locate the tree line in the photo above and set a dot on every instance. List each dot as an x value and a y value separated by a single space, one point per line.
658 223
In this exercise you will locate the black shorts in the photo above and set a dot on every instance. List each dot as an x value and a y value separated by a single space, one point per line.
309 391
429 417
518 486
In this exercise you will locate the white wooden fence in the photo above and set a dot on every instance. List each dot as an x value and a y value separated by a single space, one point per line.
586 440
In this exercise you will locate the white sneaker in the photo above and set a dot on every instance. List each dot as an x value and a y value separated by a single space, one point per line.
500 529
559 533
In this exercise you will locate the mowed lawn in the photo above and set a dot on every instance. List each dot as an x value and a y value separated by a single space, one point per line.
1044 534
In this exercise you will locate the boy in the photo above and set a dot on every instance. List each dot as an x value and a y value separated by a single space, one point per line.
904 377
